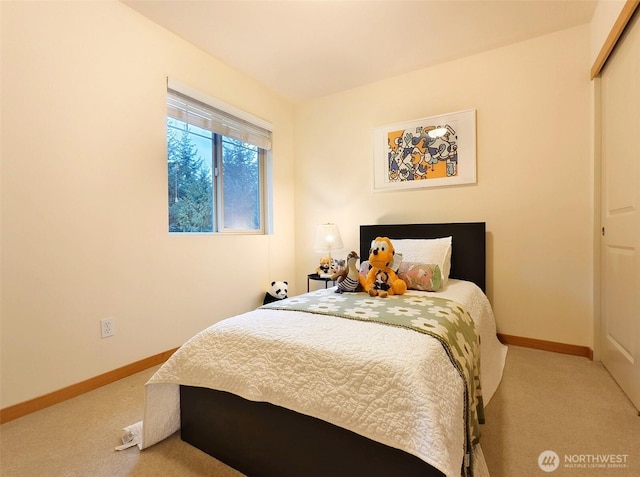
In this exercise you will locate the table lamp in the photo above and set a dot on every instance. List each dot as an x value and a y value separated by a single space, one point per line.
328 239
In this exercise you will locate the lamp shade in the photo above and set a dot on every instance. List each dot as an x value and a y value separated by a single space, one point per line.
328 239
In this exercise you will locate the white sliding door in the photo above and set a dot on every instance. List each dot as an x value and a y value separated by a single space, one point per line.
620 339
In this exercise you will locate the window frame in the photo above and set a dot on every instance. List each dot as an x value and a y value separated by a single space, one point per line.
237 119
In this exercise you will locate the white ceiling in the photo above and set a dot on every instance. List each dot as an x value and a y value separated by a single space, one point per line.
303 49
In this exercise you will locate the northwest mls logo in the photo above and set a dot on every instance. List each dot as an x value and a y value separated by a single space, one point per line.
548 461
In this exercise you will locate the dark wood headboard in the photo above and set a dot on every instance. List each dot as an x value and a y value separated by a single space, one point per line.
468 245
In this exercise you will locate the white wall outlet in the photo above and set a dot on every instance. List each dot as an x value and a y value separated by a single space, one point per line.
107 327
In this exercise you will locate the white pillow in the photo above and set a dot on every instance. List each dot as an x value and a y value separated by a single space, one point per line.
436 251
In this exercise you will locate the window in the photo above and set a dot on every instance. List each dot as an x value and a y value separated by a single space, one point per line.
216 167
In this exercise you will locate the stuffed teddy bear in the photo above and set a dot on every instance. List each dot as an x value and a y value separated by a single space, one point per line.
348 280
324 267
277 291
381 280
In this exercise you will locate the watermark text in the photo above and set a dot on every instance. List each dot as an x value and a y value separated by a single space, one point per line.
549 461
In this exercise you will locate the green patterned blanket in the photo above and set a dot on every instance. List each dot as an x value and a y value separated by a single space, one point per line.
441 318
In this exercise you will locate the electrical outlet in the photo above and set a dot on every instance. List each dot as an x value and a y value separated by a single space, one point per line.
107 327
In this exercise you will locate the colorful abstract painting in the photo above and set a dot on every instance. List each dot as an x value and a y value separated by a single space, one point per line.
422 153
427 152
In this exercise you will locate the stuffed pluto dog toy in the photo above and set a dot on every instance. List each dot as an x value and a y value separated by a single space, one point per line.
381 279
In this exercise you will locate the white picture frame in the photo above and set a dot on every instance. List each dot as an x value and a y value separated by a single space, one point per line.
435 151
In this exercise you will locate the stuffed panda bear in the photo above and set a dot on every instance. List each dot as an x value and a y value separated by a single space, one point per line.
277 291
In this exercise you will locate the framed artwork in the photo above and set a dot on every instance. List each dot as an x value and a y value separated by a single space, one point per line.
429 152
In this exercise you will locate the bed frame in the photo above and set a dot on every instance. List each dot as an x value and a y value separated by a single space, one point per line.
261 439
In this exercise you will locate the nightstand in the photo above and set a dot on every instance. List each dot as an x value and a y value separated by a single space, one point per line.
315 276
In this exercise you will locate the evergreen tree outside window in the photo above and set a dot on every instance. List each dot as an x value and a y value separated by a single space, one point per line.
190 156
216 168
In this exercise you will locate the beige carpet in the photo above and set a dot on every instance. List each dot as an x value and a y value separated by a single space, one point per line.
566 404
546 401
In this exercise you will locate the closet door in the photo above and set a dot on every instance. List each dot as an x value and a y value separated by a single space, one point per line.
620 247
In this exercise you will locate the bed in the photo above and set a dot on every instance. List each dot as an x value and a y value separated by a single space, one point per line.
299 407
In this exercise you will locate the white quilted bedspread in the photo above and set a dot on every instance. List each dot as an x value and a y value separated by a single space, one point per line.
389 384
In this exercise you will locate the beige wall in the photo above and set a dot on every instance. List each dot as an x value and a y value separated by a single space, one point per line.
535 184
84 215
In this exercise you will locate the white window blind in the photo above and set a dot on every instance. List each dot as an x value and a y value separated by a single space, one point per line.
213 115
